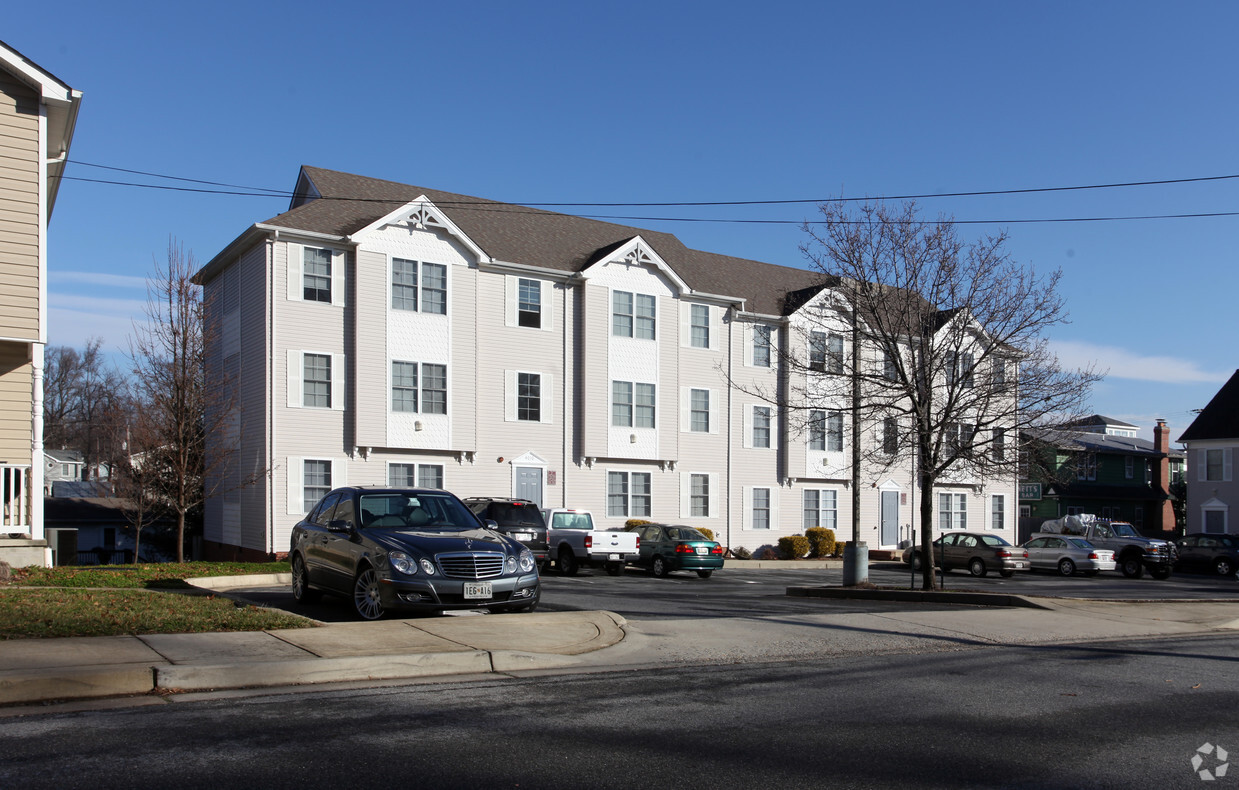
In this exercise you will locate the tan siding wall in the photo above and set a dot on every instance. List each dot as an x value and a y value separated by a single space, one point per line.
15 403
19 210
253 300
595 331
464 385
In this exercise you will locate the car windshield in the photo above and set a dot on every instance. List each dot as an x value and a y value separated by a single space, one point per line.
571 521
415 511
1081 542
1125 530
993 540
515 514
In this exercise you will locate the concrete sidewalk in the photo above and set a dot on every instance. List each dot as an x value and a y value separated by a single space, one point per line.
165 666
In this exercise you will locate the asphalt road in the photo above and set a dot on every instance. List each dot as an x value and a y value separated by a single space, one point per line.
757 592
1120 715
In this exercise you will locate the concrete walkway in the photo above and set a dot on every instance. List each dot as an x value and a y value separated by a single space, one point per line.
165 666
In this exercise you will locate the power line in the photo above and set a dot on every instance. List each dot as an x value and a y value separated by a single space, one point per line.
489 205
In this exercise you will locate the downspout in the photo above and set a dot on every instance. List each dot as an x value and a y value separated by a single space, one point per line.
731 340
563 400
270 343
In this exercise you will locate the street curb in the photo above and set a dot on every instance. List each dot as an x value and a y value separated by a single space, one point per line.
917 596
36 685
258 674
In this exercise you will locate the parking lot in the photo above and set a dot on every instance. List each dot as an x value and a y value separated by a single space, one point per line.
737 591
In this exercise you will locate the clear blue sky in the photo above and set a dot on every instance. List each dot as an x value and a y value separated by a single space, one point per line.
538 102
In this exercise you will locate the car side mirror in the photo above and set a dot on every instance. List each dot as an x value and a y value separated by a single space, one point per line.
339 525
490 523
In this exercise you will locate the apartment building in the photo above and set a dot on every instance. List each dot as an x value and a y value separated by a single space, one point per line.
381 333
38 113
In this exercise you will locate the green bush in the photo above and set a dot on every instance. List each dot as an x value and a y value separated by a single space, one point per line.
821 541
793 547
839 547
709 533
636 522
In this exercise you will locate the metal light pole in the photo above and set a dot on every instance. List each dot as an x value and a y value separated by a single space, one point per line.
856 555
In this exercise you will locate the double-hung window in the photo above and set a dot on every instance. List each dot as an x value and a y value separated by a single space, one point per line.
699 496
817 430
316 389
952 511
315 482
820 508
407 396
817 351
890 435
419 287
761 426
529 397
403 475
404 386
629 494
699 411
998 512
890 370
834 353
960 370
998 450
699 326
760 515
316 274
632 404
529 303
1086 466
632 315
761 345
834 431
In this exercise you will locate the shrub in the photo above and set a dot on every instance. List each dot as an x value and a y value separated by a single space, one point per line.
709 533
821 541
636 522
839 547
741 553
793 547
766 552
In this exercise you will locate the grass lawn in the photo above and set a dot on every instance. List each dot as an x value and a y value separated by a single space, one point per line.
114 600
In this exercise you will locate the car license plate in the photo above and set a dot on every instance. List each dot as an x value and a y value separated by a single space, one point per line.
523 535
613 557
1018 565
477 590
702 550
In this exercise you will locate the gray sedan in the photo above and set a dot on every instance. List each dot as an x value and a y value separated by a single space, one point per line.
1068 553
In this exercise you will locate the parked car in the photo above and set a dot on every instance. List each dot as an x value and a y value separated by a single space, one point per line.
574 542
979 552
664 548
1209 553
1134 552
519 518
1067 554
408 548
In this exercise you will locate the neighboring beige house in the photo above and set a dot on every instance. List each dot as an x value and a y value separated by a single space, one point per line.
1211 442
37 116
380 333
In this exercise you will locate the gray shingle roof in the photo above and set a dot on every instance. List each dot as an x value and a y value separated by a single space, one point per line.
1220 419
517 234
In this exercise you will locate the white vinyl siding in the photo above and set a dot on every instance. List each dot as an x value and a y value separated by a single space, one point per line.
698 410
309 478
761 508
699 495
318 271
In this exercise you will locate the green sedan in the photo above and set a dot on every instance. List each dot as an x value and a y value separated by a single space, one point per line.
674 547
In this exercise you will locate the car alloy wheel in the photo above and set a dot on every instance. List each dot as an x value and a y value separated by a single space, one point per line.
1223 566
659 567
1132 567
1066 567
366 600
568 565
977 567
301 583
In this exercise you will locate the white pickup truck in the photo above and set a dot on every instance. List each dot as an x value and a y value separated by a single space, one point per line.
573 542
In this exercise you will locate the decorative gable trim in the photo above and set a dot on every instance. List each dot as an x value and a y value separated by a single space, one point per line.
421 214
636 252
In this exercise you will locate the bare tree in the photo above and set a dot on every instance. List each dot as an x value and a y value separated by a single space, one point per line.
80 392
936 347
177 408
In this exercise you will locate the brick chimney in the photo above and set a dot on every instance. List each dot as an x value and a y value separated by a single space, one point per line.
1161 474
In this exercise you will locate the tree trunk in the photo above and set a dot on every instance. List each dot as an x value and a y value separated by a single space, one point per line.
929 581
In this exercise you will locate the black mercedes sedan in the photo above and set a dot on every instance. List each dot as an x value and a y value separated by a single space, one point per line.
408 548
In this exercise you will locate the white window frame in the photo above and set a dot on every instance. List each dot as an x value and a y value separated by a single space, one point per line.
511 390
998 511
631 498
418 470
820 508
762 336
750 412
687 411
296 277
512 312
1225 465
772 509
636 404
295 378
687 496
952 511
295 480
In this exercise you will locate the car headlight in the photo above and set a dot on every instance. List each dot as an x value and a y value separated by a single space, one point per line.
428 566
527 561
402 562
510 565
